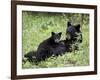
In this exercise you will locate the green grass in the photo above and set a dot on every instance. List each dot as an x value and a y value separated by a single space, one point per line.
38 27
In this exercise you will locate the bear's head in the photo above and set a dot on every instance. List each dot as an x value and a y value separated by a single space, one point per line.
56 37
73 32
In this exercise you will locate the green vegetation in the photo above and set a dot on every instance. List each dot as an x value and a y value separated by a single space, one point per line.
37 26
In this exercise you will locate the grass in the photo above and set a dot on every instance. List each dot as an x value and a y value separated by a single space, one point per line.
38 27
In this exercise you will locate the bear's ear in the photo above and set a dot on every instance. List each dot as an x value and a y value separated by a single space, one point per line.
68 24
77 27
60 33
52 33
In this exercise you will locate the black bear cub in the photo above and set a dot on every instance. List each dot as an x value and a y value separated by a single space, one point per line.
50 46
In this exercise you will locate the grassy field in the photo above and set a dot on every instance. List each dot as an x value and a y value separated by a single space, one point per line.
38 27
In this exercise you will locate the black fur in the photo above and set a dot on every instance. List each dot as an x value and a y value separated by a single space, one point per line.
73 36
50 46
73 32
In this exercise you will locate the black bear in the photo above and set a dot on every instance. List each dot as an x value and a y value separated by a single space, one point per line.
50 46
54 46
73 32
74 35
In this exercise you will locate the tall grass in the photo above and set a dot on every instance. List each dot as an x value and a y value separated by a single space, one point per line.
37 26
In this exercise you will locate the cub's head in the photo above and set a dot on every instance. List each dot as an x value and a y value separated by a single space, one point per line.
56 37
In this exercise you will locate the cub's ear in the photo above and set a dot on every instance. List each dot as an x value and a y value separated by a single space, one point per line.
68 24
60 33
77 27
52 33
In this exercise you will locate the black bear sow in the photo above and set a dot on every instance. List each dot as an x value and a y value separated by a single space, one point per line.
74 33
50 46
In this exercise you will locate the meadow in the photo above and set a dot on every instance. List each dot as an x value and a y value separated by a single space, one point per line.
37 26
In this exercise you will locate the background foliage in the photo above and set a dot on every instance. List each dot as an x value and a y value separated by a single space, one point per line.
37 26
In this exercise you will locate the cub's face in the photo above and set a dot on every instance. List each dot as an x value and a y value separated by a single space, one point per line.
56 37
73 32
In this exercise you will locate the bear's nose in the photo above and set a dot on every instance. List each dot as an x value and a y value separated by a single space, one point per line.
56 40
